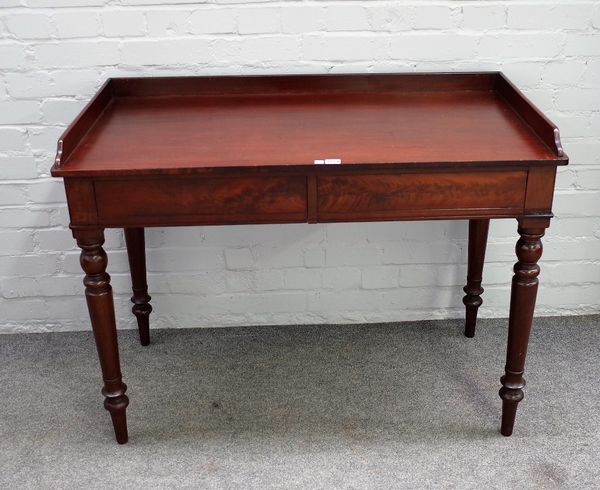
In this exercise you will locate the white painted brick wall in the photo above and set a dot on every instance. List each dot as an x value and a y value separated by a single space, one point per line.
54 54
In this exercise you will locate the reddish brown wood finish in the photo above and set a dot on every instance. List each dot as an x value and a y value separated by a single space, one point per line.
384 196
233 150
522 304
202 200
136 253
102 314
202 123
478 233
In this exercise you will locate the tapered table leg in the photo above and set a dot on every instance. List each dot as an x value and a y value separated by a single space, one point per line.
522 304
98 293
478 234
136 251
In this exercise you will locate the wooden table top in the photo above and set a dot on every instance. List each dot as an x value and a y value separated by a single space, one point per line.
175 124
202 151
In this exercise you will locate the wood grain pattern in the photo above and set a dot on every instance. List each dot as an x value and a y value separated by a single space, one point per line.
136 254
478 234
540 190
304 84
399 196
98 293
202 201
195 124
81 199
522 305
543 127
147 134
235 150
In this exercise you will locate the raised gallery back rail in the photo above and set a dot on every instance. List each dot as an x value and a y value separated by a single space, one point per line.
308 148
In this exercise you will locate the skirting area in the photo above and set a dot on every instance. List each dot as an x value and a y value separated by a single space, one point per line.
407 405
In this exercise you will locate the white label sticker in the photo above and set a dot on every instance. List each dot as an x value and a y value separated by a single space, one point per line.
333 161
319 162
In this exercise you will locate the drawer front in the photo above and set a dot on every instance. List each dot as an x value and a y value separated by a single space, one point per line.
414 195
194 200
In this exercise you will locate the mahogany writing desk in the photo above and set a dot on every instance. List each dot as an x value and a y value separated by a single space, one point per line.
287 149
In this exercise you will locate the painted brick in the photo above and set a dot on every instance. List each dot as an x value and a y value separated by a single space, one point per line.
124 23
64 3
341 278
564 72
20 112
238 258
12 56
21 218
166 52
238 281
16 242
389 17
76 24
17 167
212 21
521 45
543 17
80 82
77 53
28 265
44 137
60 111
163 23
483 17
342 47
29 85
29 26
302 19
12 139
184 260
268 280
415 46
300 278
380 277
55 53
276 48
347 18
433 17
340 254
578 99
314 257
258 21
582 45
12 195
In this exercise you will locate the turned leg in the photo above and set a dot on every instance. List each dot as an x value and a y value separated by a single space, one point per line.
522 304
478 233
136 251
98 293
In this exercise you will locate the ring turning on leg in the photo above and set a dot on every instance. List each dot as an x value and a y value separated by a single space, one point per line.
522 304
478 233
136 252
98 293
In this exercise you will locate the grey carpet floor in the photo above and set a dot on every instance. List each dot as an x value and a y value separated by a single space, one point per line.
407 405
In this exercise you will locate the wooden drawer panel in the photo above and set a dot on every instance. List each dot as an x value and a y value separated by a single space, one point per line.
413 195
197 200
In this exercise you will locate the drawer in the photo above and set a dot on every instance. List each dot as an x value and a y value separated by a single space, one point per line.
197 200
420 195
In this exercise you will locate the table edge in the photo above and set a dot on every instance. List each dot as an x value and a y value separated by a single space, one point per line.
547 132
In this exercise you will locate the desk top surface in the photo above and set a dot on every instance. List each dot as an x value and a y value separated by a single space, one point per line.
181 124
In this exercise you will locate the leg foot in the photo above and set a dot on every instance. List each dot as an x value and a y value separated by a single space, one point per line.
98 293
478 233
510 400
116 403
522 304
136 252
